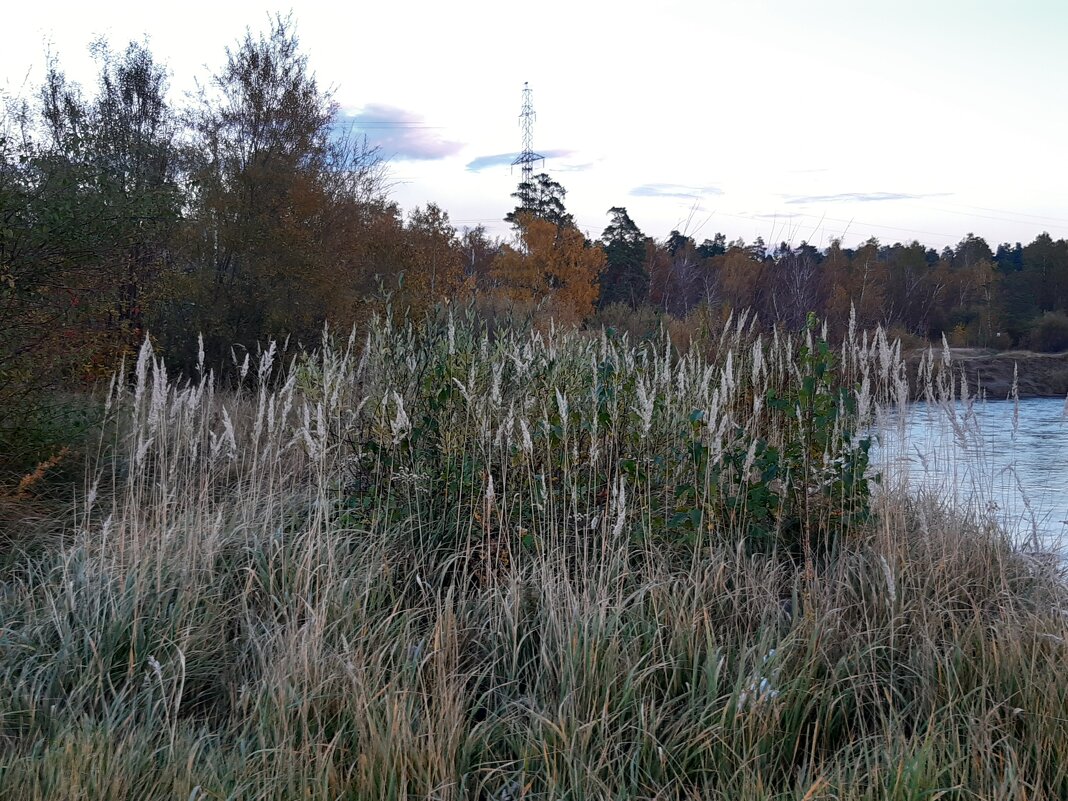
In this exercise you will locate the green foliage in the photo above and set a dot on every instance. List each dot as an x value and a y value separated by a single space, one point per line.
625 278
824 461
798 493
41 430
790 479
88 203
1049 333
542 198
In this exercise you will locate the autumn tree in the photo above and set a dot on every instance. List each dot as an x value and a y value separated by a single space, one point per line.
740 273
117 157
854 280
89 200
136 154
434 262
970 277
87 203
553 267
794 286
50 280
278 202
479 253
913 289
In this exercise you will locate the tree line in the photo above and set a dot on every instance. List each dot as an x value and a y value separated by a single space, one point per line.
248 213
974 295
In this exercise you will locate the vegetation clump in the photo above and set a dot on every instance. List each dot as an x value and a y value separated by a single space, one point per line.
1049 333
439 564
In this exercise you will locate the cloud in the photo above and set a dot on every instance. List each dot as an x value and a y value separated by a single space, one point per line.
506 159
400 134
778 216
675 191
859 197
573 167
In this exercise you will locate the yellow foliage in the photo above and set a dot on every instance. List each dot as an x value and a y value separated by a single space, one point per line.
555 266
28 480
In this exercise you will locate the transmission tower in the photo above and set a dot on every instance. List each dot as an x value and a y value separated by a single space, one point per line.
527 158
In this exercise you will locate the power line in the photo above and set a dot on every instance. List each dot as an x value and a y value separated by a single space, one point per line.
1061 223
378 124
1061 220
754 218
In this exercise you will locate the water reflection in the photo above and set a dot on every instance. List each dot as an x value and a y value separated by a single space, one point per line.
1002 459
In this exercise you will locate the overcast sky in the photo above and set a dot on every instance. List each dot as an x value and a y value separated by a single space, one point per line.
901 119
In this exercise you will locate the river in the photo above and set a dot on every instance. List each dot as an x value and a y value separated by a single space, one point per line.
998 458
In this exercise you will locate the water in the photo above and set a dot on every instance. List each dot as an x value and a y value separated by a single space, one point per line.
1003 461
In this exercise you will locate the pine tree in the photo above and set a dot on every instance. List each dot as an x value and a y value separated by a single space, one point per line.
625 278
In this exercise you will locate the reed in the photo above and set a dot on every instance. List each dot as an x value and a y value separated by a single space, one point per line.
433 563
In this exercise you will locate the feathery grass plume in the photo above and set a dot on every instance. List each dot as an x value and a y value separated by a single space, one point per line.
356 582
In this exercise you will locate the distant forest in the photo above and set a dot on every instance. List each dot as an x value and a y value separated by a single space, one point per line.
248 214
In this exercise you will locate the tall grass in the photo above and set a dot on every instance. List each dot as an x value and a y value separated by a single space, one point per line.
434 564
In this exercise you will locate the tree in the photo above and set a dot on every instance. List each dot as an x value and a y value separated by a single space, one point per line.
134 150
543 199
91 199
279 204
970 250
680 243
793 290
435 262
88 202
554 266
854 280
479 252
679 279
1016 298
48 271
716 246
625 278
912 289
1045 260
740 274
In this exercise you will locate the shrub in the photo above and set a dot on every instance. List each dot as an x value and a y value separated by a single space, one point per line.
1049 333
622 318
910 342
765 448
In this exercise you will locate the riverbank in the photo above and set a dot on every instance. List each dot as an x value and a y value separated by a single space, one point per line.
1038 375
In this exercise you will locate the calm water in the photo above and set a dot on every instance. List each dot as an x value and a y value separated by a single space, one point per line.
999 460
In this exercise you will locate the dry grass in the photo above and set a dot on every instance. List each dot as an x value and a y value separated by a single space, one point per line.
440 566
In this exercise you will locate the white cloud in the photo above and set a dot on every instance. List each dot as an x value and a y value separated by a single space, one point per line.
400 134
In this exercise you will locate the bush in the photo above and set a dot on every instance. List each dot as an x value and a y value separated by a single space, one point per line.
910 342
621 318
41 428
770 453
1049 333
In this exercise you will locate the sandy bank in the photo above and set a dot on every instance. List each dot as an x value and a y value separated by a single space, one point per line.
1040 374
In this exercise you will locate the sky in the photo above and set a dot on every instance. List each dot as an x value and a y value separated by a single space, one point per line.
794 121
